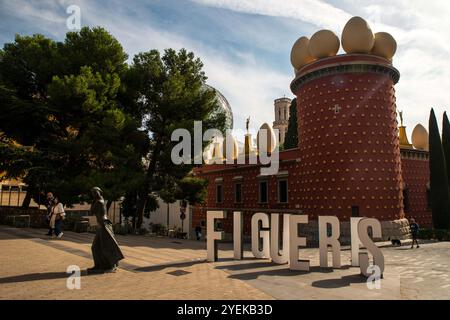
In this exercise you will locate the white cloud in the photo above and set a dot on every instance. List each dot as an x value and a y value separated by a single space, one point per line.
421 28
45 14
248 85
316 12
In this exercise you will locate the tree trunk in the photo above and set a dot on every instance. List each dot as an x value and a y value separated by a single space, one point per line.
168 216
108 205
143 194
26 202
140 208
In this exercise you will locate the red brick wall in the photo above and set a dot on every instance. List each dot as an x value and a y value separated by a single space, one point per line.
349 158
416 177
250 190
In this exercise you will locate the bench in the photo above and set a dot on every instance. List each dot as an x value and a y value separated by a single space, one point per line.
19 221
81 226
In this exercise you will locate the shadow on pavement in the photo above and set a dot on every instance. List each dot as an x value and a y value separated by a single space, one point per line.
339 283
284 272
42 276
160 267
244 266
10 233
34 277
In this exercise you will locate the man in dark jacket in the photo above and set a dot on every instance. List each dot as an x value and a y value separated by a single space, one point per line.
414 227
49 205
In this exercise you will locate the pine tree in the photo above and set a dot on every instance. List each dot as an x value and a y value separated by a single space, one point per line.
440 196
291 139
169 91
63 128
446 143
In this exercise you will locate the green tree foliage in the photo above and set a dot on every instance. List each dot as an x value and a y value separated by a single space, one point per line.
64 128
74 115
169 93
291 139
440 196
446 143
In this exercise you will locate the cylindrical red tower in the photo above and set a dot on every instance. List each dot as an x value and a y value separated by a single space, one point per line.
348 137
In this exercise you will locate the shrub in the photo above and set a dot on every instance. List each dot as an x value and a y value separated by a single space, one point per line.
434 234
426 234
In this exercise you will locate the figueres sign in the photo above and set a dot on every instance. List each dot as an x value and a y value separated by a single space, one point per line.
265 230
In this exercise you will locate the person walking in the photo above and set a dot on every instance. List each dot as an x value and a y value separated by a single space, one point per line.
57 217
198 232
414 227
49 205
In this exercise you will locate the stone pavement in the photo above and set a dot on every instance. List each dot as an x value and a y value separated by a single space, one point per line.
34 267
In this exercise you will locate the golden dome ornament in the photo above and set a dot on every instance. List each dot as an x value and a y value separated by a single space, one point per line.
420 138
323 44
385 45
229 143
300 55
357 36
267 145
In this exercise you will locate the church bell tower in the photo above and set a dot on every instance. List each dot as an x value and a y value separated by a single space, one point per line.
281 122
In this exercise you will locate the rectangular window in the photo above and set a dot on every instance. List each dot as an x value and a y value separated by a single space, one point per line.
238 193
263 192
355 211
282 191
428 198
219 193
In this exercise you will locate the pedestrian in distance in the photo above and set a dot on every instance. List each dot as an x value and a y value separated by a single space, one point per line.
57 216
414 227
49 205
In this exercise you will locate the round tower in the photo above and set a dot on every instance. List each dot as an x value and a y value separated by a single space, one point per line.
348 137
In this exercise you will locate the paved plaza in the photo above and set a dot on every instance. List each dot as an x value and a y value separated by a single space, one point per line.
34 267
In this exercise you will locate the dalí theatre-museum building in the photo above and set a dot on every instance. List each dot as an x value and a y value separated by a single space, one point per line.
353 157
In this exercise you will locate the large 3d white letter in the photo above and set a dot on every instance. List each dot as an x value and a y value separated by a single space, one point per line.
211 235
257 234
332 240
355 241
295 241
378 258
238 225
277 256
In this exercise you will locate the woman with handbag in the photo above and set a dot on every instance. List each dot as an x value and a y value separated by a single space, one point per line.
58 215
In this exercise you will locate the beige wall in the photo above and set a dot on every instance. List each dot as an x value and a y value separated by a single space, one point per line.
160 216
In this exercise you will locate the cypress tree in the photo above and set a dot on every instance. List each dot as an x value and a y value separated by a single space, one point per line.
291 139
446 143
440 197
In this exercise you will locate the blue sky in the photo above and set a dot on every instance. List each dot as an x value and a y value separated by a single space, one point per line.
245 44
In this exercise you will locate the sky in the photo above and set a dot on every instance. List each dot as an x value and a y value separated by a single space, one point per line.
245 45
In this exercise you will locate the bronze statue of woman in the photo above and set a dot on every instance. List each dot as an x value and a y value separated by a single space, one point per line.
105 250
